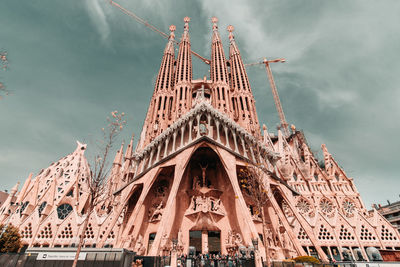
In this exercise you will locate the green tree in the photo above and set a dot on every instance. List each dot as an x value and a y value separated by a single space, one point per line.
10 240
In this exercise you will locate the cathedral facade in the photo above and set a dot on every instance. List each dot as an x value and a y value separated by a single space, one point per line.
183 181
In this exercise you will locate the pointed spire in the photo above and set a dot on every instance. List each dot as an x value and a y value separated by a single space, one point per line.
14 190
118 156
243 99
185 35
184 63
21 194
183 74
165 74
159 112
239 79
216 37
128 153
169 48
80 148
219 71
36 189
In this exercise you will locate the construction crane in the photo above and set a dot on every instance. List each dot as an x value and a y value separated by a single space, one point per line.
153 28
284 124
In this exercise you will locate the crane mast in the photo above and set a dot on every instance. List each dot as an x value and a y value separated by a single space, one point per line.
277 100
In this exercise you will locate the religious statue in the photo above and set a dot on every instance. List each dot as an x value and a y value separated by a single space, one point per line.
139 247
215 204
196 182
156 215
203 174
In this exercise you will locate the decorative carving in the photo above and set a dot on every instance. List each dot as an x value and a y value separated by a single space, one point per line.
233 242
326 206
139 247
205 204
348 207
305 207
155 212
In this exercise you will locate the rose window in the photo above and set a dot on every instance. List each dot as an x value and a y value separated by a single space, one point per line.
326 206
348 207
303 206
63 211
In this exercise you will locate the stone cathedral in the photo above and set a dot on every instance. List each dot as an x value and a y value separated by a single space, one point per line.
183 179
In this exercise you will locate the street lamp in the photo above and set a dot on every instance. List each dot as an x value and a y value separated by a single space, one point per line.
255 243
174 244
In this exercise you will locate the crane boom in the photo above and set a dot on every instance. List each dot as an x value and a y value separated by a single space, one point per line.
275 94
152 27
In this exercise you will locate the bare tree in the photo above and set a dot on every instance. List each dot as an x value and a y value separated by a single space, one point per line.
98 173
252 181
3 66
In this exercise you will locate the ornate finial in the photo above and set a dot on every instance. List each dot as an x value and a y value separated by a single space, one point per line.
172 28
264 127
186 27
214 21
293 128
230 29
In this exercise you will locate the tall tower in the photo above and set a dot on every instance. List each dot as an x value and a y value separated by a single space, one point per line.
183 74
219 72
160 112
242 99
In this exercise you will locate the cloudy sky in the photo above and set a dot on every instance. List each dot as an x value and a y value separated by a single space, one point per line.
73 62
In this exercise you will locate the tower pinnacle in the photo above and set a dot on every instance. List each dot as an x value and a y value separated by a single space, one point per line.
219 72
214 21
172 29
183 74
243 102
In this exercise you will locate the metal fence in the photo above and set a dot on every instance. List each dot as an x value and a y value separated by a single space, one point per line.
111 259
302 264
149 261
195 262
337 264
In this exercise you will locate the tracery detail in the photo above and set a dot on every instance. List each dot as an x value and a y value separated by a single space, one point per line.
348 207
326 206
303 206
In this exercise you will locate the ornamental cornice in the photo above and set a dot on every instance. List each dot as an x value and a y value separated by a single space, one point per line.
204 107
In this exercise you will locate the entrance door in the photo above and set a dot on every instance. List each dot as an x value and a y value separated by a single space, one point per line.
195 240
214 242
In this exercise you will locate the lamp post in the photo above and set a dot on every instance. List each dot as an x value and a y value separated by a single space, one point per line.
174 256
255 243
174 244
257 259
